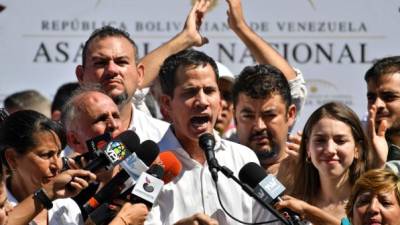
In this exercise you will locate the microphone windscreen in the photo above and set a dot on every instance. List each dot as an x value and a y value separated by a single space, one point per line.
252 174
207 141
148 152
172 166
156 171
130 139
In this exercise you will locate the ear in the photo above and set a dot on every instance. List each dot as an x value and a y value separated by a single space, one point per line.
56 115
140 73
74 142
79 73
357 151
166 102
11 157
291 115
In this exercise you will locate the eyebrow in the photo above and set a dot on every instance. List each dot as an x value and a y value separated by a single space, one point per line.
246 110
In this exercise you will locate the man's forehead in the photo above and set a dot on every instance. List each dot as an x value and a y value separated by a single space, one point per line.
276 99
112 41
92 100
188 75
390 81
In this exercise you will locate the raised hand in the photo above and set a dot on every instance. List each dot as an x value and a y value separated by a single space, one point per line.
235 14
77 179
293 145
193 23
377 137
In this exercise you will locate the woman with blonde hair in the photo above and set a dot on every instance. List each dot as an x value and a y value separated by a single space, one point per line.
375 199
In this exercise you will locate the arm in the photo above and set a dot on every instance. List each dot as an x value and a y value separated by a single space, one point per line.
188 37
30 207
308 212
264 53
260 49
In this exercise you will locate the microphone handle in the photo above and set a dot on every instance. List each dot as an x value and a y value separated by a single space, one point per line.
295 217
96 164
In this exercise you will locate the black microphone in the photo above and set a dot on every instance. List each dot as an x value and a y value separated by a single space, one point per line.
115 151
207 143
133 166
98 142
265 186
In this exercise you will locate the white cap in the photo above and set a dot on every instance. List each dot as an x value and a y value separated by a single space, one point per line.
224 72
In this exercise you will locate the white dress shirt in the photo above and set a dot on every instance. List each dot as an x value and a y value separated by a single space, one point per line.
147 127
193 190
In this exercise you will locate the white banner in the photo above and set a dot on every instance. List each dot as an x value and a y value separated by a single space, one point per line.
331 42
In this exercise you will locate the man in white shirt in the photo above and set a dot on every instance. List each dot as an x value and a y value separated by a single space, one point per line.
192 99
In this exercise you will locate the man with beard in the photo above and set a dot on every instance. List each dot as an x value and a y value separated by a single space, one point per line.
109 58
263 114
266 100
383 94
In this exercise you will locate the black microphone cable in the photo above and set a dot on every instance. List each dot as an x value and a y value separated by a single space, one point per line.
234 218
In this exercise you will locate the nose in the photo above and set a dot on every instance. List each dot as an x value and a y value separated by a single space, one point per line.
379 103
201 99
55 163
112 67
259 123
112 124
374 206
331 147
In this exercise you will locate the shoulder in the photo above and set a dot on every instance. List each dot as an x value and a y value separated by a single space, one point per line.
65 211
66 204
239 152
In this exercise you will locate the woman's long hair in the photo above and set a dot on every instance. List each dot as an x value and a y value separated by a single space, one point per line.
307 180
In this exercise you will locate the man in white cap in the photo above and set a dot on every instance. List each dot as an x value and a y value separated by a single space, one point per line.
225 125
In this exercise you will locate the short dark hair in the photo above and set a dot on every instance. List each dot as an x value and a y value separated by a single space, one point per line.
103 32
262 81
188 57
64 92
384 66
18 129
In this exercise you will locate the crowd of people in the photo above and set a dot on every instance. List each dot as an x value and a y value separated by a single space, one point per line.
337 170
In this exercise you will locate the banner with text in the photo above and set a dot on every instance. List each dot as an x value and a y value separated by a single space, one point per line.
332 42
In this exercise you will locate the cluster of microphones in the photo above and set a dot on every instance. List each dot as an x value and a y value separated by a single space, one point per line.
141 178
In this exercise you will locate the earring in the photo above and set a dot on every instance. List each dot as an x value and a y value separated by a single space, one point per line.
308 159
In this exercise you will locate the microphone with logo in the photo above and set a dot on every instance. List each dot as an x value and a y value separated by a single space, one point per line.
94 145
207 143
133 166
266 187
115 151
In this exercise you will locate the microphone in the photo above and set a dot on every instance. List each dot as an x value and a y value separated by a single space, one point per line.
207 143
145 191
265 186
98 142
115 151
149 186
172 166
136 166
